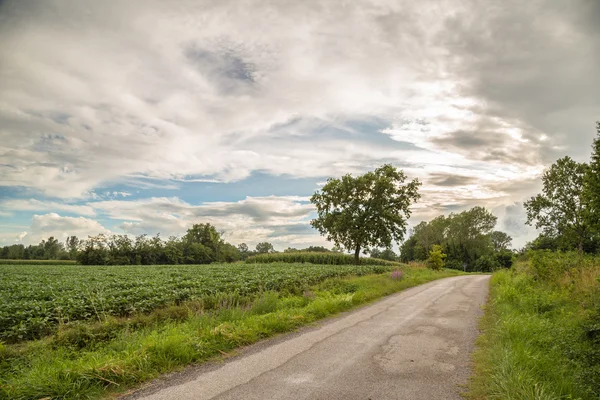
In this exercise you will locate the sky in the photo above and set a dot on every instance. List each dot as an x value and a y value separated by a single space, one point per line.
148 116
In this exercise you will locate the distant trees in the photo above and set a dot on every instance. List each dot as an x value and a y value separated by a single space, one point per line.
465 238
264 247
310 249
386 254
369 210
201 244
49 249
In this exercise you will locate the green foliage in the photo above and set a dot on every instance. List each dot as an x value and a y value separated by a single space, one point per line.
500 241
369 210
504 258
309 249
316 258
464 237
436 258
560 209
37 262
387 254
34 301
93 360
540 331
486 263
264 248
592 186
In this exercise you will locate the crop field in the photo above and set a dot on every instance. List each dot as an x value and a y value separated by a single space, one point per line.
316 258
34 300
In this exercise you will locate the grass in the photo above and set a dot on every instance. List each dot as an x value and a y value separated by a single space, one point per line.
541 331
317 258
94 360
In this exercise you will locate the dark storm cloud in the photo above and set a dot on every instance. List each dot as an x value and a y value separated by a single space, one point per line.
489 145
476 140
536 62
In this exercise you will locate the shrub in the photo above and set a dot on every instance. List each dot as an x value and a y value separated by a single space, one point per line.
436 258
486 264
454 264
504 258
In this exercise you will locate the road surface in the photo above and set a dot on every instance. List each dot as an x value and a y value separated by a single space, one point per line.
411 345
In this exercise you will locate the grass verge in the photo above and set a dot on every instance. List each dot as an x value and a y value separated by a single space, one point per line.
541 331
96 360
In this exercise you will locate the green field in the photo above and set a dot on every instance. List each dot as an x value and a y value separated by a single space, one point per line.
317 258
176 315
34 300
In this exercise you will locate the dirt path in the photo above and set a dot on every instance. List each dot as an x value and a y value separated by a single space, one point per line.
412 345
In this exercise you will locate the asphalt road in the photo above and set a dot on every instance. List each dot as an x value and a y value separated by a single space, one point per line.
412 345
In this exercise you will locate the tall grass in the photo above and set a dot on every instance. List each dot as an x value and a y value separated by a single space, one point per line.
541 331
317 258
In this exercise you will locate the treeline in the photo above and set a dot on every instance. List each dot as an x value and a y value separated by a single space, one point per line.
50 249
568 209
467 240
202 244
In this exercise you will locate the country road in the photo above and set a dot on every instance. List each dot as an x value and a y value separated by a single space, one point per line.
411 345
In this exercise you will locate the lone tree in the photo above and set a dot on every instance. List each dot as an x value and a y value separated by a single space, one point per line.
369 210
560 210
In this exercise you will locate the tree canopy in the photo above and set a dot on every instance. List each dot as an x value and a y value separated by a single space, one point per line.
370 210
464 238
560 209
592 186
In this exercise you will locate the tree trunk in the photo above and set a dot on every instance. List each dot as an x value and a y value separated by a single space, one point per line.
580 247
356 254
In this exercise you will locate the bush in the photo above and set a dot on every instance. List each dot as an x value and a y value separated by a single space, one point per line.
504 258
486 264
454 264
436 258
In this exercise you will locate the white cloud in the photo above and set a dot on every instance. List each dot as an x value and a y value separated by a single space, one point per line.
251 220
112 99
38 205
53 224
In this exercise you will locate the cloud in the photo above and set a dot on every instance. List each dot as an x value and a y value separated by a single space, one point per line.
172 101
251 220
513 223
53 224
441 179
38 205
473 98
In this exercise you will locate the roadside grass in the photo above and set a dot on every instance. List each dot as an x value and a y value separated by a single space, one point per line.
94 360
541 331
